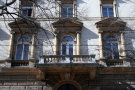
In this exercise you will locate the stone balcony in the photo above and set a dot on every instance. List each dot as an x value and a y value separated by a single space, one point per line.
50 59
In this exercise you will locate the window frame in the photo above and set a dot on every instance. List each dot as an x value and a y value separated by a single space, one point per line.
112 3
27 3
23 49
72 2
67 46
67 7
112 46
27 7
107 6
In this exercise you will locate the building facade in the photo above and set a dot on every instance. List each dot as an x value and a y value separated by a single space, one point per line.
67 45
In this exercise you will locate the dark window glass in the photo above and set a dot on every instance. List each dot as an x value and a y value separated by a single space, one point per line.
70 49
111 48
64 49
67 10
27 10
67 45
108 11
22 49
19 52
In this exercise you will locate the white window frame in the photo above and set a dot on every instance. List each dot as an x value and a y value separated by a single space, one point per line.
67 6
22 53
26 7
67 46
108 6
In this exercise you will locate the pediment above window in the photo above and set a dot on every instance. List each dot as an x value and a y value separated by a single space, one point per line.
27 2
111 25
66 1
107 1
67 25
23 25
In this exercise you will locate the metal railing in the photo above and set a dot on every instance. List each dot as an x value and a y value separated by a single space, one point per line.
67 59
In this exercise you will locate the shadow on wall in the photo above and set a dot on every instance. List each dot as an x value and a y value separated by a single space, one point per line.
130 44
125 1
44 44
86 35
80 2
4 35
121 1
1 2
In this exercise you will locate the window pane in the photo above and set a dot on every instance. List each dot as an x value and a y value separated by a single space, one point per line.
110 9
108 12
111 14
24 12
108 51
105 12
115 51
26 52
70 49
104 9
67 39
111 51
70 12
64 49
64 12
29 12
111 38
23 39
19 52
26 6
67 10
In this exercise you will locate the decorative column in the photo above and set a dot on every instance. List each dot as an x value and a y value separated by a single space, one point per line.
55 44
78 43
123 45
33 47
10 54
115 8
101 46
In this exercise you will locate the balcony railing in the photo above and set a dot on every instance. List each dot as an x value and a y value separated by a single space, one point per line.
20 63
67 59
114 62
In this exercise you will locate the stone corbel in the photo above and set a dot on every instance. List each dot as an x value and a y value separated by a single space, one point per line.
78 42
67 75
92 74
41 75
56 43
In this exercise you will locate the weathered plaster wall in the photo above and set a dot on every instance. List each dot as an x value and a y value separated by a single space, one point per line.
89 34
4 40
89 39
126 8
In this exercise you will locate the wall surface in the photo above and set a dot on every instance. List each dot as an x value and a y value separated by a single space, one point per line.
86 9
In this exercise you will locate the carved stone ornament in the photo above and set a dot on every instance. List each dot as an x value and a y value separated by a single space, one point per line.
67 25
111 25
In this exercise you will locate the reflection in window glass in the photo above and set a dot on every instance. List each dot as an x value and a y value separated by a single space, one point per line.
107 10
67 10
70 49
22 49
111 48
67 45
64 49
27 10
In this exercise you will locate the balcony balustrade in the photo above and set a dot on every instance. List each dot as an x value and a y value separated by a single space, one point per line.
67 59
20 63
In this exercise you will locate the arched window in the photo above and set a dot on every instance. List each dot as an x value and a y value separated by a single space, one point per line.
22 49
67 45
111 47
